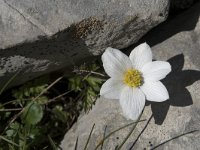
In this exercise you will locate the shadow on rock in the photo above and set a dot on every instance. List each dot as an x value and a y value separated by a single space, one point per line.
185 21
176 83
56 53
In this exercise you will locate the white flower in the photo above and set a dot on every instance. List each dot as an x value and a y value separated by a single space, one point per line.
134 78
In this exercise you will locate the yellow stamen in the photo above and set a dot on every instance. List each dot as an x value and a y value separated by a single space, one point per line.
133 78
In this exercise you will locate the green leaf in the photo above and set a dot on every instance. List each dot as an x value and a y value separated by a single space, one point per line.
9 141
94 82
53 145
7 114
30 89
15 125
91 92
34 132
42 100
13 129
32 114
75 83
94 67
10 133
60 114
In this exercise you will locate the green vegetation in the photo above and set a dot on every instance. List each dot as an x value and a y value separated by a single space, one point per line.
36 115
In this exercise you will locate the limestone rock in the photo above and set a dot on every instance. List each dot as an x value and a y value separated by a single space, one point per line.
178 42
38 37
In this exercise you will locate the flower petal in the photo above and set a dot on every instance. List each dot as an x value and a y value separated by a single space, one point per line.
111 89
156 70
115 63
132 101
141 55
155 91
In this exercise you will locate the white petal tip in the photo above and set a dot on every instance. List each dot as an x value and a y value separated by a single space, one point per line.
133 118
109 49
161 99
145 45
166 97
170 67
155 91
141 55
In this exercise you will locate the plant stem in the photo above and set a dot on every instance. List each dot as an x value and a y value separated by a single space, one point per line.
17 115
120 146
116 131
76 145
91 72
16 100
59 96
141 133
104 134
9 141
46 89
12 120
89 137
53 145
8 82
155 147
11 109
24 142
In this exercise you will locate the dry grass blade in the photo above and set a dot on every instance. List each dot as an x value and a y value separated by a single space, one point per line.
11 109
53 145
124 141
104 134
59 96
18 114
100 143
12 120
76 145
155 147
89 72
8 82
46 89
89 137
141 132
9 141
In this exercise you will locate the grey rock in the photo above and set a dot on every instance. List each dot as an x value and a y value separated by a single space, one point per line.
178 42
39 37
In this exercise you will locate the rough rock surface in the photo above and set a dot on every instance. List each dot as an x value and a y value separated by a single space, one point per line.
38 37
177 41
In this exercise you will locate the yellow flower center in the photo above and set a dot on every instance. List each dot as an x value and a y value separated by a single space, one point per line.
133 78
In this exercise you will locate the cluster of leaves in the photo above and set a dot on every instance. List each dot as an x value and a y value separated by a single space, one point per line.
86 84
35 116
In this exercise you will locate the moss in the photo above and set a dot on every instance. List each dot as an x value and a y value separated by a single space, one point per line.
86 26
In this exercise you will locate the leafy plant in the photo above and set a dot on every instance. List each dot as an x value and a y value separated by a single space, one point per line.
88 89
87 83
32 113
36 115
